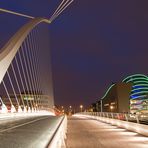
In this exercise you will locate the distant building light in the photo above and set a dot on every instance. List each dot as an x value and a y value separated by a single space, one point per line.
111 107
28 98
106 104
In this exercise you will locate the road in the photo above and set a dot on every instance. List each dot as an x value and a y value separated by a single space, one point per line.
27 132
88 133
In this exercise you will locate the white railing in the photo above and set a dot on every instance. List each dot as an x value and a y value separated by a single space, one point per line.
58 139
128 121
136 118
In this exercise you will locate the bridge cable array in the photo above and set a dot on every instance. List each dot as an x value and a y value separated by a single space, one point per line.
23 84
64 4
26 84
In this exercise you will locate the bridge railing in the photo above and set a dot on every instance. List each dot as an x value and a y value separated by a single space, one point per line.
128 121
136 118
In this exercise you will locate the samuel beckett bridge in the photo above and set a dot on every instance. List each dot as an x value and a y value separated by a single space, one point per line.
27 113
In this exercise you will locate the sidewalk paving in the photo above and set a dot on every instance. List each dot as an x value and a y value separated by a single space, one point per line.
88 133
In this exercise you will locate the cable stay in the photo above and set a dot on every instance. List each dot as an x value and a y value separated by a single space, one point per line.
64 4
25 80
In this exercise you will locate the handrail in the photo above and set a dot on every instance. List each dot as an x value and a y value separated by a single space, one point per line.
9 50
137 118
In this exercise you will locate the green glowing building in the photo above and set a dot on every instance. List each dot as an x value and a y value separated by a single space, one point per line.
130 95
139 92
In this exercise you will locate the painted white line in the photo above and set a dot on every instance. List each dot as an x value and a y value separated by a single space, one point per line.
1 131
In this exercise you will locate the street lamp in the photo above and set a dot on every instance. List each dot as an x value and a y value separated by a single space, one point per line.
81 107
111 108
70 110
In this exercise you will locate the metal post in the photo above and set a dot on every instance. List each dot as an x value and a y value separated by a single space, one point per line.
137 118
101 105
126 117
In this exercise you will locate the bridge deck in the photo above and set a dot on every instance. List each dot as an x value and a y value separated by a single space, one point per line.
27 132
87 133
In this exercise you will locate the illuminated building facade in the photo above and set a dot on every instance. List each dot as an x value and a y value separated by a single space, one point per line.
116 98
30 100
130 95
139 93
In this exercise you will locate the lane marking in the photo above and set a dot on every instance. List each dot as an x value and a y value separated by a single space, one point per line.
1 131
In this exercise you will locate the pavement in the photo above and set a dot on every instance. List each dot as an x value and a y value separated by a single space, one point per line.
89 133
27 132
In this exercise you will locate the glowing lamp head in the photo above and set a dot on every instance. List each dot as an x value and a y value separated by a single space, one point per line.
111 107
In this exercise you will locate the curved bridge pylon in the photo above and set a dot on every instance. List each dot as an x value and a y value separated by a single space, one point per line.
25 67
22 70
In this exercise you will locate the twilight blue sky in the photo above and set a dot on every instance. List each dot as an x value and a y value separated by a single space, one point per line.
93 43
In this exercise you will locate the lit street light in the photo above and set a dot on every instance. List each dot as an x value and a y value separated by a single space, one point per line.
111 108
81 107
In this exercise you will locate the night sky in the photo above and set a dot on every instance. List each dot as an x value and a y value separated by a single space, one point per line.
93 43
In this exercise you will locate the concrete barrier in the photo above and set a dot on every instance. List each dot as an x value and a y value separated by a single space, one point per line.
58 140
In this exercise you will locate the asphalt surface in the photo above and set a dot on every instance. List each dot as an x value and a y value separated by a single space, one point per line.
88 133
28 132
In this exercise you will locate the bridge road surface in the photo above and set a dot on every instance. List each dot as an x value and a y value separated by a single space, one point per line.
89 133
27 132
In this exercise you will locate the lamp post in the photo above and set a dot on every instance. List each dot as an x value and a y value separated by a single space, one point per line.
81 107
111 108
70 110
101 105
